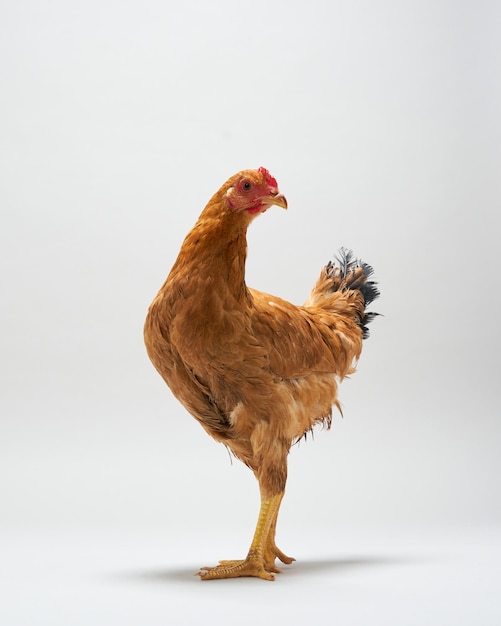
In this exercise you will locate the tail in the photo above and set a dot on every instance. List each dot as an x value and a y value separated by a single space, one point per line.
349 274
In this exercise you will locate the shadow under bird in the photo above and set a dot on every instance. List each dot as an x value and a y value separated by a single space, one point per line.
256 371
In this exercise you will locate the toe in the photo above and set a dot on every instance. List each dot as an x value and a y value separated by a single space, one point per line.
236 569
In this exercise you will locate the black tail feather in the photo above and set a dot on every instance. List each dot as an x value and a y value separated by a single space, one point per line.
347 277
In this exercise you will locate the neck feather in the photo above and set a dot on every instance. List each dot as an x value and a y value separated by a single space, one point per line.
215 250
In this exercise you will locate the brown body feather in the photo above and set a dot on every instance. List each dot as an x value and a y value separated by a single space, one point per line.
256 371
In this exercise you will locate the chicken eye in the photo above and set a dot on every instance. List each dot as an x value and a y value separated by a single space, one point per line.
246 185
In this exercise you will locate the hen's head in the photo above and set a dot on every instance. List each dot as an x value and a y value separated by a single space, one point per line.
253 191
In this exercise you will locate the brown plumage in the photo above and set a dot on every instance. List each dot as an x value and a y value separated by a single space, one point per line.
256 371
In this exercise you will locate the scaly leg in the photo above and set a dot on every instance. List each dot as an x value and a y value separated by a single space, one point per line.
271 551
260 560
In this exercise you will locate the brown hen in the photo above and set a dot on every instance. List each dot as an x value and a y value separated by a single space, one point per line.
256 371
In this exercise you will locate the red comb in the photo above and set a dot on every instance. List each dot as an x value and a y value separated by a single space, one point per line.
268 177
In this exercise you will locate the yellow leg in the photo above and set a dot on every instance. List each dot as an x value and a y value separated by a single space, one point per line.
271 551
260 560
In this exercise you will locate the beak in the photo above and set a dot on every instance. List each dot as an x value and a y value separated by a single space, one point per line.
279 200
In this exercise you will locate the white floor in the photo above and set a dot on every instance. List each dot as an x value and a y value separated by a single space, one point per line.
349 577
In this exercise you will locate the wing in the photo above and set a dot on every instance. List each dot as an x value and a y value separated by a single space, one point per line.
305 340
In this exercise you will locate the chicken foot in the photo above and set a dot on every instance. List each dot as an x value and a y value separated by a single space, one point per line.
260 560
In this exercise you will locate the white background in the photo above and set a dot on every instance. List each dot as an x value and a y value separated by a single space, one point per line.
119 120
